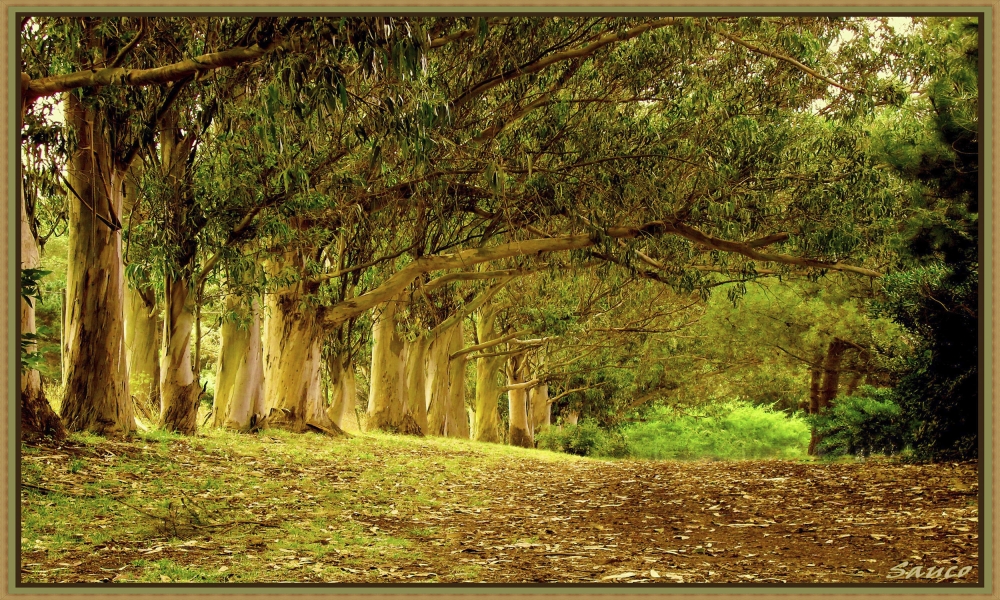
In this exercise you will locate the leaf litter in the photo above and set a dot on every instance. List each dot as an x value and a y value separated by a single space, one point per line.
384 509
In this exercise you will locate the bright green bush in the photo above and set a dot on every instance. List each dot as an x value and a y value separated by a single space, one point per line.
729 430
870 422
583 439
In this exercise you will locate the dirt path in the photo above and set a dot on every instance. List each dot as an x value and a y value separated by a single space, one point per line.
402 510
713 522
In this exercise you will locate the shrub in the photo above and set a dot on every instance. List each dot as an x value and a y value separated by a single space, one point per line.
871 422
583 439
735 429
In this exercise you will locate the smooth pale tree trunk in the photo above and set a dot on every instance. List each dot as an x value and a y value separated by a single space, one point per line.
457 418
143 330
487 388
487 394
438 380
37 416
416 380
572 418
96 387
541 409
517 401
292 361
179 389
387 393
343 391
239 380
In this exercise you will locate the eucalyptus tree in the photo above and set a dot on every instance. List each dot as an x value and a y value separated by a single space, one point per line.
109 125
39 192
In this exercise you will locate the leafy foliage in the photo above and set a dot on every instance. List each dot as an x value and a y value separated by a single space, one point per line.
729 430
870 422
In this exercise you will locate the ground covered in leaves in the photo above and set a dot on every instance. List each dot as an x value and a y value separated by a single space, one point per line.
385 509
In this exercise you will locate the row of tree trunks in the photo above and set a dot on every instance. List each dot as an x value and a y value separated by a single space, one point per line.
96 388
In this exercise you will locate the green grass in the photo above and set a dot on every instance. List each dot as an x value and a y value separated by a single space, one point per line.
275 506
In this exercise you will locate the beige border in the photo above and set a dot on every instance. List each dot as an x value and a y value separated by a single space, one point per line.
361 5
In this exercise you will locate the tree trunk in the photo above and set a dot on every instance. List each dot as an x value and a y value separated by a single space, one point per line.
292 360
487 389
239 380
815 379
416 381
541 410
37 416
96 388
179 389
343 390
143 330
572 418
387 394
180 385
520 428
437 384
457 421
853 383
831 373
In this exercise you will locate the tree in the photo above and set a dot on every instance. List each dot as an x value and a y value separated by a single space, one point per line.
935 292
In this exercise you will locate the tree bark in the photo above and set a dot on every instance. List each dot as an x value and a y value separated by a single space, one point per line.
292 347
387 394
541 409
517 398
143 331
831 372
96 388
416 380
179 389
239 380
438 383
815 380
180 385
37 416
853 383
343 390
457 421
487 389
572 418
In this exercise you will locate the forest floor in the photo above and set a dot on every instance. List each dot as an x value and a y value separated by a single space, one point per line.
374 508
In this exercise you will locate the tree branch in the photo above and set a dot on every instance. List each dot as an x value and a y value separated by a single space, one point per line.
541 63
488 344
